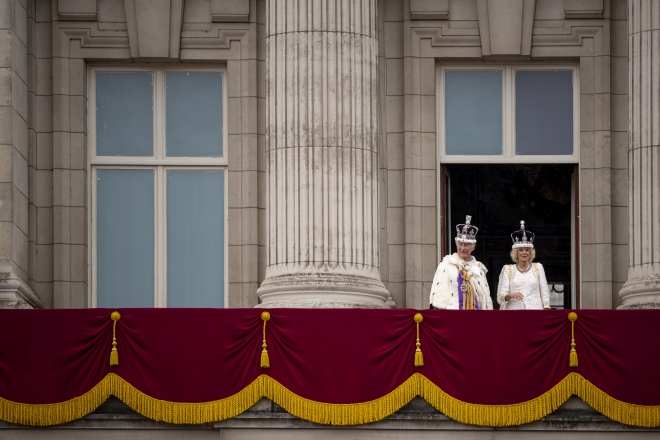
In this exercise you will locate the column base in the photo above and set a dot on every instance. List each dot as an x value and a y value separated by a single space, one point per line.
318 304
15 294
641 293
331 291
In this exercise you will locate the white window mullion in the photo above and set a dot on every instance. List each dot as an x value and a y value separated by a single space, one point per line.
158 114
161 221
92 238
510 114
160 299
226 219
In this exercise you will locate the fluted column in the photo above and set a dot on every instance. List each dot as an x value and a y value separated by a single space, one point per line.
322 155
642 290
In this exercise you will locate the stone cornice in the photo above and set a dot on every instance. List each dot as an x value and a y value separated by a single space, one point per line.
216 39
568 36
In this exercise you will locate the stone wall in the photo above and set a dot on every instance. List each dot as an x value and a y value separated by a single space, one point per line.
46 47
591 39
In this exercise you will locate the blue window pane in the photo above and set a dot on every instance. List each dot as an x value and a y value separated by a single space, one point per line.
544 112
124 114
195 239
473 112
125 238
194 114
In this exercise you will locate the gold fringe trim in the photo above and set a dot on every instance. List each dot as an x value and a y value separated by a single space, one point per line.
342 414
155 409
329 413
537 408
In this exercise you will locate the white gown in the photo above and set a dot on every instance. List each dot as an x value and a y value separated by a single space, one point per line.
531 284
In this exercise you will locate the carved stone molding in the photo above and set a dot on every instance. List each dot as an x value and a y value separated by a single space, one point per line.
568 36
93 43
90 39
571 41
15 294
506 26
80 10
583 8
154 27
446 37
437 40
230 11
429 9
225 41
215 39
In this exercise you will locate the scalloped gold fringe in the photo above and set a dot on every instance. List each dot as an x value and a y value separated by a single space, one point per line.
329 413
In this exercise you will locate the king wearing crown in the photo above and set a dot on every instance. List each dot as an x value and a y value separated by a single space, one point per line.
460 280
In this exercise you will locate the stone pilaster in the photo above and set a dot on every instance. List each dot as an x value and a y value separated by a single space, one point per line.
642 290
322 124
14 261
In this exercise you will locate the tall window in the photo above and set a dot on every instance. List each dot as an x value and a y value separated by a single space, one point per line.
158 187
490 114
508 145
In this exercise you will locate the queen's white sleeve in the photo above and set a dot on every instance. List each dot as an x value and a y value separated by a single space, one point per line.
503 286
543 284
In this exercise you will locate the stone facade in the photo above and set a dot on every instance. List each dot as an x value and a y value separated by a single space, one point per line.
48 45
356 177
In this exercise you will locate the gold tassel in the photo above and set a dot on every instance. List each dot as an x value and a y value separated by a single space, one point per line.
419 357
265 361
114 355
573 360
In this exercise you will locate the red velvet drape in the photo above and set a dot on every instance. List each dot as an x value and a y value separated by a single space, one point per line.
332 356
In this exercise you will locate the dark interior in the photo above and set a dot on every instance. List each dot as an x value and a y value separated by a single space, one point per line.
498 197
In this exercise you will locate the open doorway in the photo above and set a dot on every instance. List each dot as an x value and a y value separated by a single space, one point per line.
498 197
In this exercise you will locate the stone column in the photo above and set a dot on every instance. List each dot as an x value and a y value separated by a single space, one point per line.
322 125
642 290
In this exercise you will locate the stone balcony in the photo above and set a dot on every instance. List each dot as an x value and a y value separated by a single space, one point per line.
267 420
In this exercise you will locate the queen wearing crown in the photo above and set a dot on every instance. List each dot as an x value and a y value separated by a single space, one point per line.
522 284
460 280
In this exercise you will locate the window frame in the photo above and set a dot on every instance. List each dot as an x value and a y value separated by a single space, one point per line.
160 164
508 115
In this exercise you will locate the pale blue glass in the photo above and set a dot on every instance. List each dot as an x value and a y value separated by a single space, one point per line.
195 239
124 114
125 238
544 112
194 114
473 112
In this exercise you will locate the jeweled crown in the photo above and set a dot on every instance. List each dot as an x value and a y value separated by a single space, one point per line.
466 232
522 238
